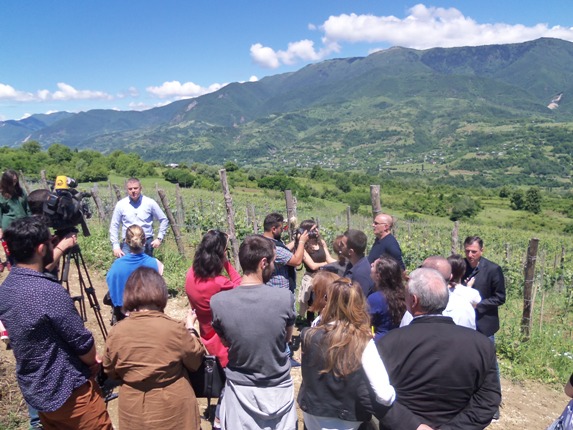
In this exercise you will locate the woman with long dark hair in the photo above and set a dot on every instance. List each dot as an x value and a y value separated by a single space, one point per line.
204 280
341 368
316 255
387 303
13 202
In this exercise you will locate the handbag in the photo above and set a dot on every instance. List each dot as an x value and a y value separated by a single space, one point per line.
209 379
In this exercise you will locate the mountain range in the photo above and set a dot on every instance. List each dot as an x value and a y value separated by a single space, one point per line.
457 107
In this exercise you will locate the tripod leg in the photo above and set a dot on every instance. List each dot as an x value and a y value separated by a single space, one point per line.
88 288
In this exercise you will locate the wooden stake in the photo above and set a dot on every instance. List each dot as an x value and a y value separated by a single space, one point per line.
230 217
174 226
375 198
528 287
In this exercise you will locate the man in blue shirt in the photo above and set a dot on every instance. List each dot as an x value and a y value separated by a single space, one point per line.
385 242
136 209
55 354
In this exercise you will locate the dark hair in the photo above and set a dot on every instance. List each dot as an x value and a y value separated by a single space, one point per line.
391 284
458 264
253 249
470 240
272 220
356 240
209 256
336 246
36 201
8 188
24 235
144 289
321 283
307 224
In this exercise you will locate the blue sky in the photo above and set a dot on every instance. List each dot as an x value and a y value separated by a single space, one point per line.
77 55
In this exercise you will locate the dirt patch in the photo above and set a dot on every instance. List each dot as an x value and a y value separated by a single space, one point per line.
527 405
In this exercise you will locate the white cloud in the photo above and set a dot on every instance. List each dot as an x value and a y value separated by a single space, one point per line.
65 92
177 90
253 79
423 27
303 50
427 27
8 92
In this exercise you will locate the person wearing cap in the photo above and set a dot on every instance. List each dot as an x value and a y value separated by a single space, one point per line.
136 209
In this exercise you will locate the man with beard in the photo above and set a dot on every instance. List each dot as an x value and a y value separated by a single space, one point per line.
55 354
256 321
287 258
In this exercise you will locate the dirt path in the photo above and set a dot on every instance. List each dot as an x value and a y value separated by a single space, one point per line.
527 405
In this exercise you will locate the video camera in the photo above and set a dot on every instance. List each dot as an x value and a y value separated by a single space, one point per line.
64 207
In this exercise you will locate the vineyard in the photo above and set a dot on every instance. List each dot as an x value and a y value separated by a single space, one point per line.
547 354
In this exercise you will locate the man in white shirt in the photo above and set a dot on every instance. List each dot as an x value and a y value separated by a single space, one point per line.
136 209
459 307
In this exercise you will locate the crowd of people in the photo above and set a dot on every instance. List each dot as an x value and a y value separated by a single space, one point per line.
416 350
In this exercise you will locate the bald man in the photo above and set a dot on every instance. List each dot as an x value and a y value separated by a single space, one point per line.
459 308
385 242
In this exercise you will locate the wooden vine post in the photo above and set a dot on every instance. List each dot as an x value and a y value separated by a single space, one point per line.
230 217
455 237
528 288
375 197
180 208
117 192
43 181
174 226
291 213
23 181
98 203
348 213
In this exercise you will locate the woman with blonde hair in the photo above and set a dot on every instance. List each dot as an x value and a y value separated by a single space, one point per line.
151 354
341 369
124 266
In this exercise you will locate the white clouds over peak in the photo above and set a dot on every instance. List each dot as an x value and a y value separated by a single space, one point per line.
423 27
177 90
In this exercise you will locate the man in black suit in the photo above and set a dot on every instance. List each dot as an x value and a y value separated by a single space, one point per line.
444 374
486 277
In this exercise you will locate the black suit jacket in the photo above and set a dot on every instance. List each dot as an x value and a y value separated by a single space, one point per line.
444 375
490 283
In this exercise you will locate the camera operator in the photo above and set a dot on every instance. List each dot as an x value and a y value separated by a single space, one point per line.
60 244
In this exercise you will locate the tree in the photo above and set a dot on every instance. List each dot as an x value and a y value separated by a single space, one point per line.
60 153
533 200
517 200
32 147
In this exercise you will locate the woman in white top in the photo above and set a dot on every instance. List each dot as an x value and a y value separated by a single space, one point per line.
341 369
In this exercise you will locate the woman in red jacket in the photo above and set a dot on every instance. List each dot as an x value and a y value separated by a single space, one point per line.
204 280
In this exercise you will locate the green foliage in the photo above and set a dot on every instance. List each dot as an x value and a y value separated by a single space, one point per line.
533 200
463 208
230 166
517 200
183 177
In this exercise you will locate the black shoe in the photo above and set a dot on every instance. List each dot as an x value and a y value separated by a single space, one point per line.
294 363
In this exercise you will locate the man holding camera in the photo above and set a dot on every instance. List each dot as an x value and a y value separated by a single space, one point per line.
55 354
287 258
136 209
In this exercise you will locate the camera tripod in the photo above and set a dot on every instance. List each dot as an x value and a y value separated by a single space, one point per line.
75 254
